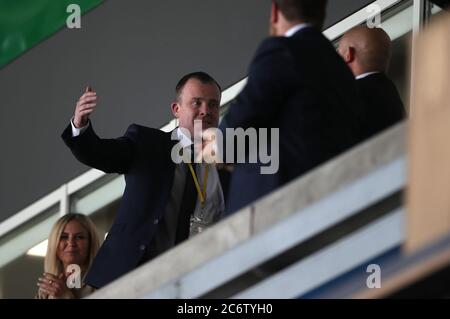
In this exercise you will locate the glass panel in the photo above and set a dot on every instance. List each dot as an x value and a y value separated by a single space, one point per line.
18 270
398 24
97 195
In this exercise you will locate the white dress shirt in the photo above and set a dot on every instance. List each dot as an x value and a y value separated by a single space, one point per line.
214 206
362 76
294 29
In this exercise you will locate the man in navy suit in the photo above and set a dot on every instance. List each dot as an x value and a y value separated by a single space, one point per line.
299 84
367 52
161 205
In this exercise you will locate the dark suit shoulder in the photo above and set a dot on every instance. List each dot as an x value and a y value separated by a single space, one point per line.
377 79
136 130
273 57
147 137
282 42
383 106
374 78
378 84
272 44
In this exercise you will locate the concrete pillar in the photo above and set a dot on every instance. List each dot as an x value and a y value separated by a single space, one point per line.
428 199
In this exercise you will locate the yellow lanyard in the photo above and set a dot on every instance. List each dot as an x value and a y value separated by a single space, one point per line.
201 194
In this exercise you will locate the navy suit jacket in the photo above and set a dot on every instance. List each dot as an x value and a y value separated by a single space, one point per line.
300 85
383 106
143 155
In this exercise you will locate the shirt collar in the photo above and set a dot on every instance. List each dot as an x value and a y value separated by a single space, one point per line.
185 141
364 75
295 29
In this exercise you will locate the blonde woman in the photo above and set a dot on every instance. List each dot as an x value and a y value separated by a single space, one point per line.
73 241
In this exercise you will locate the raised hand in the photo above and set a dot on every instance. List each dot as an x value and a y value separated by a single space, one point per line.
85 106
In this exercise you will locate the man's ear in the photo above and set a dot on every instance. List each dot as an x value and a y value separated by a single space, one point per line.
175 109
274 11
350 55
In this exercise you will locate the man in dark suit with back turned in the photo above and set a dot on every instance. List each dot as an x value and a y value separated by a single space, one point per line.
367 52
299 84
161 205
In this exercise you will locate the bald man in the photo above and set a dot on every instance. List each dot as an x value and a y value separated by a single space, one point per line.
366 51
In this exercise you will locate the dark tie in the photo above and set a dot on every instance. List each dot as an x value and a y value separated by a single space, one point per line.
187 206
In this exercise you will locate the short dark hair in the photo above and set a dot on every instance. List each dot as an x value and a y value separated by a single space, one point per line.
203 77
309 11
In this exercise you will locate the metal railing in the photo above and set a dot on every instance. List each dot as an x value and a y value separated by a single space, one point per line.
261 251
